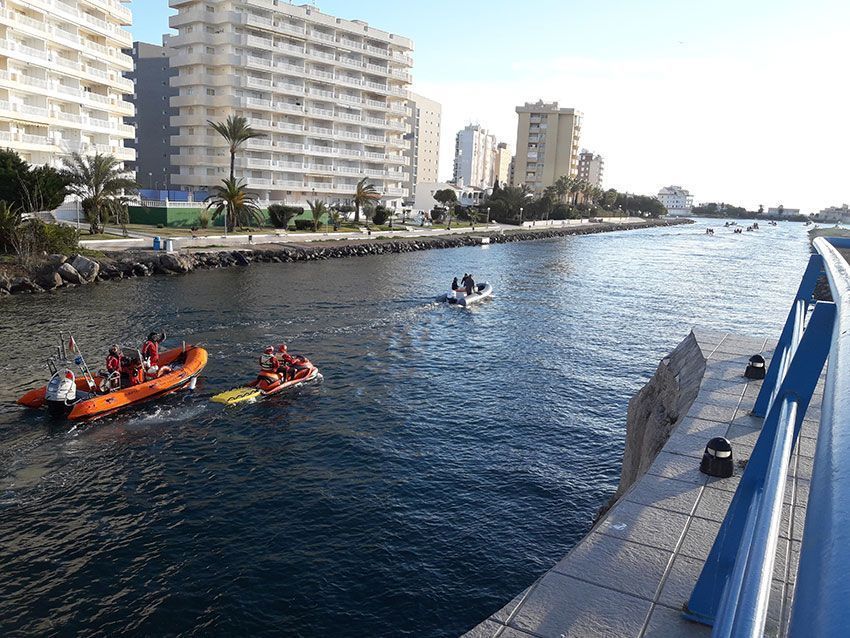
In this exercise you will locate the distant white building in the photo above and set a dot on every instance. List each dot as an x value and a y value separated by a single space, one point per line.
591 167
677 200
781 211
466 195
834 214
475 157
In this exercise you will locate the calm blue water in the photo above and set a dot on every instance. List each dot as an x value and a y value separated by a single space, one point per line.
449 457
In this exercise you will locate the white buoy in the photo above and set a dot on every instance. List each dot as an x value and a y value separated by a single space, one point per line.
193 383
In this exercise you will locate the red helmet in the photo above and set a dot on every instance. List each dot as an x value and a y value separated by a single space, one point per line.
281 347
269 350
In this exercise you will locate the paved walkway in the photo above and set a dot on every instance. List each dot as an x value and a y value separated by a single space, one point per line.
138 240
631 575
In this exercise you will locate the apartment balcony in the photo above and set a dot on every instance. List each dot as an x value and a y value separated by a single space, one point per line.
50 32
113 7
51 61
41 115
123 38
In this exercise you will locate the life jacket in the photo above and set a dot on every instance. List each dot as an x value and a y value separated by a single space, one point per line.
113 363
268 362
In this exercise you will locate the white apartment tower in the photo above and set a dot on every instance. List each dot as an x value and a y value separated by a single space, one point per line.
330 96
475 157
424 123
591 167
62 87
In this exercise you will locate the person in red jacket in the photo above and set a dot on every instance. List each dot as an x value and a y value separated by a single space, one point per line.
290 366
112 380
150 356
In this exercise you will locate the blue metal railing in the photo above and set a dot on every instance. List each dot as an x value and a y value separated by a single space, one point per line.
733 590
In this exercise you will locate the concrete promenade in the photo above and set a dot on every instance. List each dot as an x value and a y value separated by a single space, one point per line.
137 240
631 575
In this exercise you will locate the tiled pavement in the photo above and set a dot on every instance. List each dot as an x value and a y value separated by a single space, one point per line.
631 575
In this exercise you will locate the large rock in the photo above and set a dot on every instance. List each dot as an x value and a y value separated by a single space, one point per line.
5 284
88 268
23 284
67 272
241 259
49 279
175 263
57 260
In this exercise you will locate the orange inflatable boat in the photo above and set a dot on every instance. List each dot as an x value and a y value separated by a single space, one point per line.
86 396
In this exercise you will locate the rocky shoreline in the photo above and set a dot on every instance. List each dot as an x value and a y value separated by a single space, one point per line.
59 271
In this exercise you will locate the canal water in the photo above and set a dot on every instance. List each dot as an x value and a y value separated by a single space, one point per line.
447 459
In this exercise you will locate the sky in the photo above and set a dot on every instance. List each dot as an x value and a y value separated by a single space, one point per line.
740 101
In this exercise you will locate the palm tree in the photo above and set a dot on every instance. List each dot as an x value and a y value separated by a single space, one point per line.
103 187
235 131
364 194
237 204
562 187
317 208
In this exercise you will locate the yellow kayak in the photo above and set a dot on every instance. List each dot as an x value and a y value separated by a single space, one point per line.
238 395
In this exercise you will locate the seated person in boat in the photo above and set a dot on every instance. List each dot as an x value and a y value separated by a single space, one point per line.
112 378
290 366
150 356
271 371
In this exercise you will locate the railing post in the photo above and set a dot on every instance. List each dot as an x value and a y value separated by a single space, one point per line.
804 294
798 386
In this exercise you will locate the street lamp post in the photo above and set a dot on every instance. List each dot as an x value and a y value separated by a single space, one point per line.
488 215
520 215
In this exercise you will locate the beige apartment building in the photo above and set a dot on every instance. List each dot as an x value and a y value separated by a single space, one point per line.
424 155
547 144
502 164
330 95
62 88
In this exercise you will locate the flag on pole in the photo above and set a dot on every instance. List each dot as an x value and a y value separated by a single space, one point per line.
72 345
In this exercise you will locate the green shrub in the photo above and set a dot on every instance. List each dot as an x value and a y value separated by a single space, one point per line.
160 225
303 224
280 215
204 219
60 239
380 216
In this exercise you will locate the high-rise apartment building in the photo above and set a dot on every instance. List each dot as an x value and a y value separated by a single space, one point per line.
591 167
502 164
424 125
152 98
547 144
62 87
329 95
475 156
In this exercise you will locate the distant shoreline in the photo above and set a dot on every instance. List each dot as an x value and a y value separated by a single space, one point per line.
59 273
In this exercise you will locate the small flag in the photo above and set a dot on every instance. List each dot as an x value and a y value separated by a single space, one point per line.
72 345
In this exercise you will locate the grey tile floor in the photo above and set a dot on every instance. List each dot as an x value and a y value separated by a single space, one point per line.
631 575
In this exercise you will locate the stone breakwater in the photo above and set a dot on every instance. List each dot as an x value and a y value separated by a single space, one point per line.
59 271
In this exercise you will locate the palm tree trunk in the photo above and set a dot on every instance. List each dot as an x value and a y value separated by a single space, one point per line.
357 213
232 164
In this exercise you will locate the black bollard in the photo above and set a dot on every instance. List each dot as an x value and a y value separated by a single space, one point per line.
756 369
717 458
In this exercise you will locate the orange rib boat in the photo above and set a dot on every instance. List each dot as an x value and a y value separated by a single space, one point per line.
185 362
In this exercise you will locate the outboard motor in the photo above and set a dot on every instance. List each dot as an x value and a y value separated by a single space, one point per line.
61 392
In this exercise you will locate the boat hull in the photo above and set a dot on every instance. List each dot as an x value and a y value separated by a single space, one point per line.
484 291
187 365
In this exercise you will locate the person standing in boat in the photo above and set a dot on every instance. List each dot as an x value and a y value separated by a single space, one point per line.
470 284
